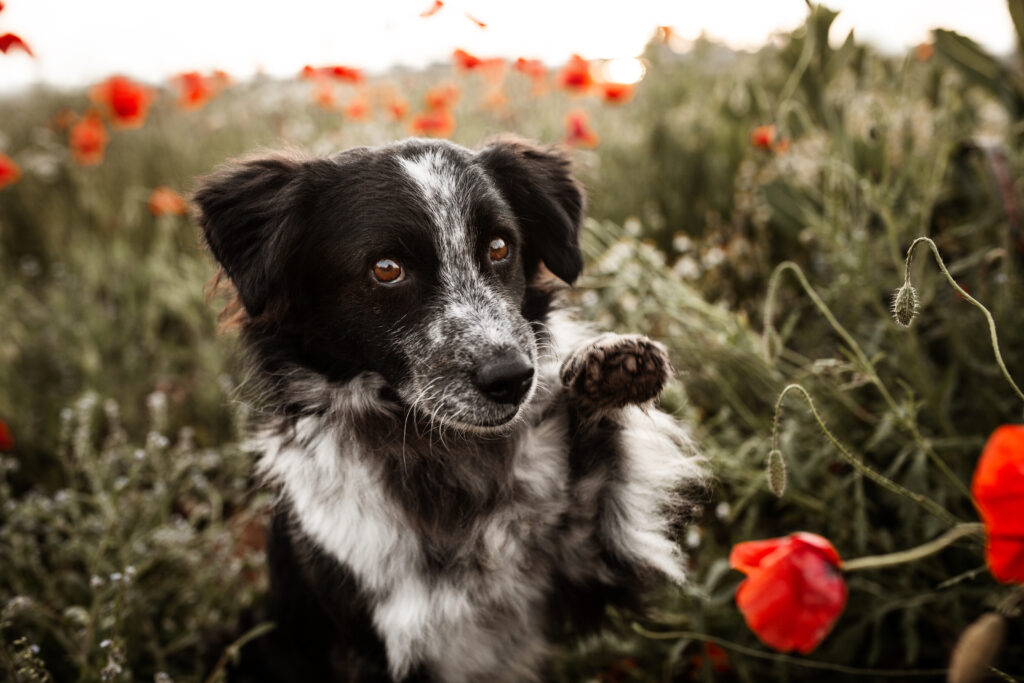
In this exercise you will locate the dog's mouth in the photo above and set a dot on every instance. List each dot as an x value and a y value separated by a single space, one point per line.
468 410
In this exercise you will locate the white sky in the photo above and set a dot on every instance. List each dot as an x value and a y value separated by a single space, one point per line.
78 42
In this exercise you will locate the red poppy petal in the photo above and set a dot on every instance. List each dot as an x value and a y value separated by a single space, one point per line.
1000 470
818 543
1005 557
9 41
748 556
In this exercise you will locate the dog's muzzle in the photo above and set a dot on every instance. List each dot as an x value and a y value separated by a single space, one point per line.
504 377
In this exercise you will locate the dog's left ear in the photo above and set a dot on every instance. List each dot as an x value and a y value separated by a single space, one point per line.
547 201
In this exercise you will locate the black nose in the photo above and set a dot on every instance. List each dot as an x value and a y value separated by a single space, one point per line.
504 378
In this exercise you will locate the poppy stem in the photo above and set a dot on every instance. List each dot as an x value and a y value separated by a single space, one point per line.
977 304
902 415
857 462
914 554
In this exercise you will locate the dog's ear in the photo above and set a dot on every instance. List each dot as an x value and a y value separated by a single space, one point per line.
548 202
245 210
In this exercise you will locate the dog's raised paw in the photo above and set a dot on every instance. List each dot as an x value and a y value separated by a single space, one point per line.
617 370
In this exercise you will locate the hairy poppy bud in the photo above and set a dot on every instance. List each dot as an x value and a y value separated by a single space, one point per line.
904 305
776 471
977 649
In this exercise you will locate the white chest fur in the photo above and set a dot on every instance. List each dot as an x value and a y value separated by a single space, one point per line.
340 500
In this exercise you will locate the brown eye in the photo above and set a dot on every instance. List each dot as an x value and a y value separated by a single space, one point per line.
387 270
499 250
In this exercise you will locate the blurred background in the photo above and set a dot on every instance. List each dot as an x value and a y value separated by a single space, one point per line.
715 140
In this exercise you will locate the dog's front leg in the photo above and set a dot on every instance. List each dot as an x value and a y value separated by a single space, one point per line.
627 467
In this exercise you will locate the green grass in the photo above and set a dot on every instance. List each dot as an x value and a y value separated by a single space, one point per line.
123 398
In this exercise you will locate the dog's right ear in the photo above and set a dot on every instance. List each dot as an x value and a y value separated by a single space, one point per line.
246 210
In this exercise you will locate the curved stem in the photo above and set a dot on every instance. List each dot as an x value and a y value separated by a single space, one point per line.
788 659
865 362
977 304
858 463
914 554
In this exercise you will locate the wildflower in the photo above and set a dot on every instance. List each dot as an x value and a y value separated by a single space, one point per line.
617 93
441 97
665 33
924 52
9 174
533 68
793 593
88 139
324 96
465 61
436 123
475 20
9 41
357 108
763 137
776 471
998 488
398 107
434 9
575 76
163 201
578 132
347 74
6 440
904 305
194 89
125 101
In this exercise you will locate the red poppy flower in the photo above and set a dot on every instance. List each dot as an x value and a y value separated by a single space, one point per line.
475 20
88 139
325 96
9 171
763 137
9 41
533 68
194 89
578 132
125 101
793 592
575 76
438 123
617 93
998 487
398 107
465 61
434 9
347 74
441 97
357 108
163 201
6 440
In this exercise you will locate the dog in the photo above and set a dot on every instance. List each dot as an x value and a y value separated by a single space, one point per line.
462 471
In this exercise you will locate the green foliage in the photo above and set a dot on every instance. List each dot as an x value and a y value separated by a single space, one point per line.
688 223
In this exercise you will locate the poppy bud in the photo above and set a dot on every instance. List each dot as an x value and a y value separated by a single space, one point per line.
776 471
904 305
977 649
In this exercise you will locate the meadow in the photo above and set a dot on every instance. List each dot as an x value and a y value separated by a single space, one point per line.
753 211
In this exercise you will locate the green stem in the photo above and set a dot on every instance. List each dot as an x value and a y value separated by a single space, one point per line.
865 362
914 554
977 304
858 463
788 659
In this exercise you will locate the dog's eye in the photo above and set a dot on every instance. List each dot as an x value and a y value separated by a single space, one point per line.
387 270
498 249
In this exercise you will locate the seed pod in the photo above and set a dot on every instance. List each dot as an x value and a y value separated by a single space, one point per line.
776 471
977 649
904 305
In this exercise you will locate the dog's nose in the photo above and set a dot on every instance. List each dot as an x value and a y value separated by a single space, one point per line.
505 378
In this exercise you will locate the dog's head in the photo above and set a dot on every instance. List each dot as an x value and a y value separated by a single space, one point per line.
416 261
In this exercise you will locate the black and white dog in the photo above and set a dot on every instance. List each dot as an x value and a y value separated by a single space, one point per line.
462 472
